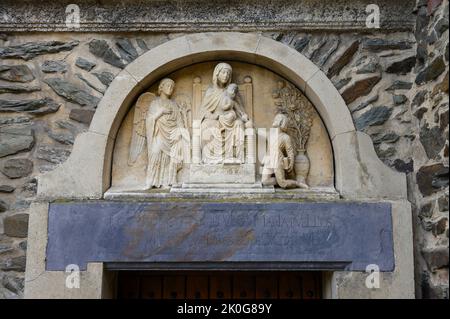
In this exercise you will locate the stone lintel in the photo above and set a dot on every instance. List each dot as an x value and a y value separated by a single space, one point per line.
204 16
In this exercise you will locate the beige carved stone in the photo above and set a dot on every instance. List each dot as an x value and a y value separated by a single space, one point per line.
255 95
160 123
222 120
299 111
279 163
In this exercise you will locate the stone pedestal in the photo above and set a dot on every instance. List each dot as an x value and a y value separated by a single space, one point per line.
222 174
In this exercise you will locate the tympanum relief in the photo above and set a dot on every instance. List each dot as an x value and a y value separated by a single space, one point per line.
222 126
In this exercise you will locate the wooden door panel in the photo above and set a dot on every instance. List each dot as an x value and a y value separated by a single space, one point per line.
129 287
219 285
309 287
197 287
244 286
290 286
174 287
267 286
151 287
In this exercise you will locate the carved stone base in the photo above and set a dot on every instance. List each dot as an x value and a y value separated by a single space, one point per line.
228 188
222 174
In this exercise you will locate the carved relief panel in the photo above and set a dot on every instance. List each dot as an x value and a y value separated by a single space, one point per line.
218 120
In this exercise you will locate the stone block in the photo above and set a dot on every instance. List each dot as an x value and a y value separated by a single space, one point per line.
16 225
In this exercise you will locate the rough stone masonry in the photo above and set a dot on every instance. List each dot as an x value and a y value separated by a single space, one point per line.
393 79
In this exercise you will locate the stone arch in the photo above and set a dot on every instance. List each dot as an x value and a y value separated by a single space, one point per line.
87 173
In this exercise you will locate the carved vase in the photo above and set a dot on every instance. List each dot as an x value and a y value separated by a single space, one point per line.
302 165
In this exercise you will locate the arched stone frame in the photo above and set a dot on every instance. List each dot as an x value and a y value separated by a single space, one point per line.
359 174
358 171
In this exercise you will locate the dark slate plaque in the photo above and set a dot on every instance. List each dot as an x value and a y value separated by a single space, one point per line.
280 235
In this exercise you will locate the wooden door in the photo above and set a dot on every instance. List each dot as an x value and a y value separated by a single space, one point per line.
219 285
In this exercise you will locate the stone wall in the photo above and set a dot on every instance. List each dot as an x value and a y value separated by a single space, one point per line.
428 182
395 85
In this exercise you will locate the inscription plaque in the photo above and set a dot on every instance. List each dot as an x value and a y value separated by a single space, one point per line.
346 236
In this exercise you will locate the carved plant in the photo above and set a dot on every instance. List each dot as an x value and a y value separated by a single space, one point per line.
291 102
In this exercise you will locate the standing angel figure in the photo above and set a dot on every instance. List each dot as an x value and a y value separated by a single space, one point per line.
161 122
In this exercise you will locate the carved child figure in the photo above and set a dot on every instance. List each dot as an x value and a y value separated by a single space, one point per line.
233 134
281 159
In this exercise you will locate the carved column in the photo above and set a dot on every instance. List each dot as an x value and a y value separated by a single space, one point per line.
196 150
250 145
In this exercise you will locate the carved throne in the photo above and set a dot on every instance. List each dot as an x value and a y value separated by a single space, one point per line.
224 175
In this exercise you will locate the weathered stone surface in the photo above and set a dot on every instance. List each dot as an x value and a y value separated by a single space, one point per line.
360 88
16 73
378 45
15 88
14 140
30 50
446 54
402 67
141 43
68 125
85 64
35 107
5 248
17 167
399 99
341 83
53 66
300 43
400 85
126 50
82 115
6 189
419 98
63 138
431 179
420 112
321 56
90 84
436 257
101 49
365 104
13 264
370 67
211 16
237 231
443 120
443 203
441 87
385 153
439 226
13 284
16 225
431 291
15 120
23 245
426 210
72 92
30 187
105 77
402 166
316 43
432 5
432 38
432 139
375 116
343 60
389 137
441 26
431 72
54 155
3 206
